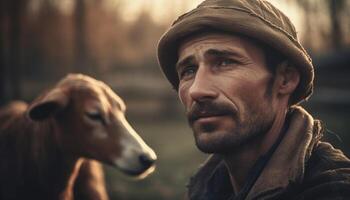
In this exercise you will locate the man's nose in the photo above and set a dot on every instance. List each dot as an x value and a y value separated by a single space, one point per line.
202 86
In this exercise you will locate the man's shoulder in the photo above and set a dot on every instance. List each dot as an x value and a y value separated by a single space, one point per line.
327 174
326 158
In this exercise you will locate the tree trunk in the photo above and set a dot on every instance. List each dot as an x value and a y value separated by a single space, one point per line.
81 49
15 8
335 8
2 53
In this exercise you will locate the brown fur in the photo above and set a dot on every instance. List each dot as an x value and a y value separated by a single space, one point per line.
34 167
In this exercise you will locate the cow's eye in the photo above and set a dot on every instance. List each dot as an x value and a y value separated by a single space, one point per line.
95 116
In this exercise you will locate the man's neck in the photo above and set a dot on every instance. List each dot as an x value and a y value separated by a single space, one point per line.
240 162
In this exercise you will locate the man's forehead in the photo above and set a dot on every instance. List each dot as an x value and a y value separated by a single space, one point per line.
220 41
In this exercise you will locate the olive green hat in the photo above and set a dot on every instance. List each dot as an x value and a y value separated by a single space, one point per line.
257 19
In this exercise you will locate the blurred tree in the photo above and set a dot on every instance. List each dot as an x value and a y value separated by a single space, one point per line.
332 26
16 9
82 58
11 19
2 52
336 7
48 42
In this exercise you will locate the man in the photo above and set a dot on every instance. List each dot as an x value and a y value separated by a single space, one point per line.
241 72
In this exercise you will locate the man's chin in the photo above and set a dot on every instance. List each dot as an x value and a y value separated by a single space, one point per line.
209 146
218 142
210 149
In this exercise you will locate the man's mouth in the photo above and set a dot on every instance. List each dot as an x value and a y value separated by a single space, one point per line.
209 111
208 117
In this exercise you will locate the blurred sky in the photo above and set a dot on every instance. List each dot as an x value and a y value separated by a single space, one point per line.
163 11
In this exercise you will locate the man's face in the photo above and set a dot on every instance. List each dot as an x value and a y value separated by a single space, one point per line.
226 89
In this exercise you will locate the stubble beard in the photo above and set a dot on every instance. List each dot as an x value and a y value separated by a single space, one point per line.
246 129
243 133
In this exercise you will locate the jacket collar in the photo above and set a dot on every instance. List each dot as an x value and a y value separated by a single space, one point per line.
286 165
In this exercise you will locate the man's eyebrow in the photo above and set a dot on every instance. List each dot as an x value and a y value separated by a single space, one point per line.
185 61
222 53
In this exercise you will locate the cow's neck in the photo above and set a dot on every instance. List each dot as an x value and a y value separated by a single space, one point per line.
59 168
70 177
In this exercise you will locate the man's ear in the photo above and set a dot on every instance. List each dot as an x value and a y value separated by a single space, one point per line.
48 105
288 78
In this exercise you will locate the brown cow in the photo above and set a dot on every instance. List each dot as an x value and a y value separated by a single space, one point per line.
46 147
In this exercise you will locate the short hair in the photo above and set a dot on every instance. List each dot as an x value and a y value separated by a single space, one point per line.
272 58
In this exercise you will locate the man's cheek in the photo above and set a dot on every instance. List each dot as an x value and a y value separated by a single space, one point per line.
183 97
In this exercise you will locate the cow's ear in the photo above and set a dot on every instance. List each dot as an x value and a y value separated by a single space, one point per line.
48 105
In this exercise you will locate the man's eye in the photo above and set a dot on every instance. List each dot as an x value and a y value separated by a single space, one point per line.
187 72
226 62
95 116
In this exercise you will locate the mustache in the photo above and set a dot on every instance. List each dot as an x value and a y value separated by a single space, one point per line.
209 108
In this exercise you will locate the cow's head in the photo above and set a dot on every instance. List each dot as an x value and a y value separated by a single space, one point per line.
91 120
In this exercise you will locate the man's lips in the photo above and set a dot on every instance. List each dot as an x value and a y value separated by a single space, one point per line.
208 117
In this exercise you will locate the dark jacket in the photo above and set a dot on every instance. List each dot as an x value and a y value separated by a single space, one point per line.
300 167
